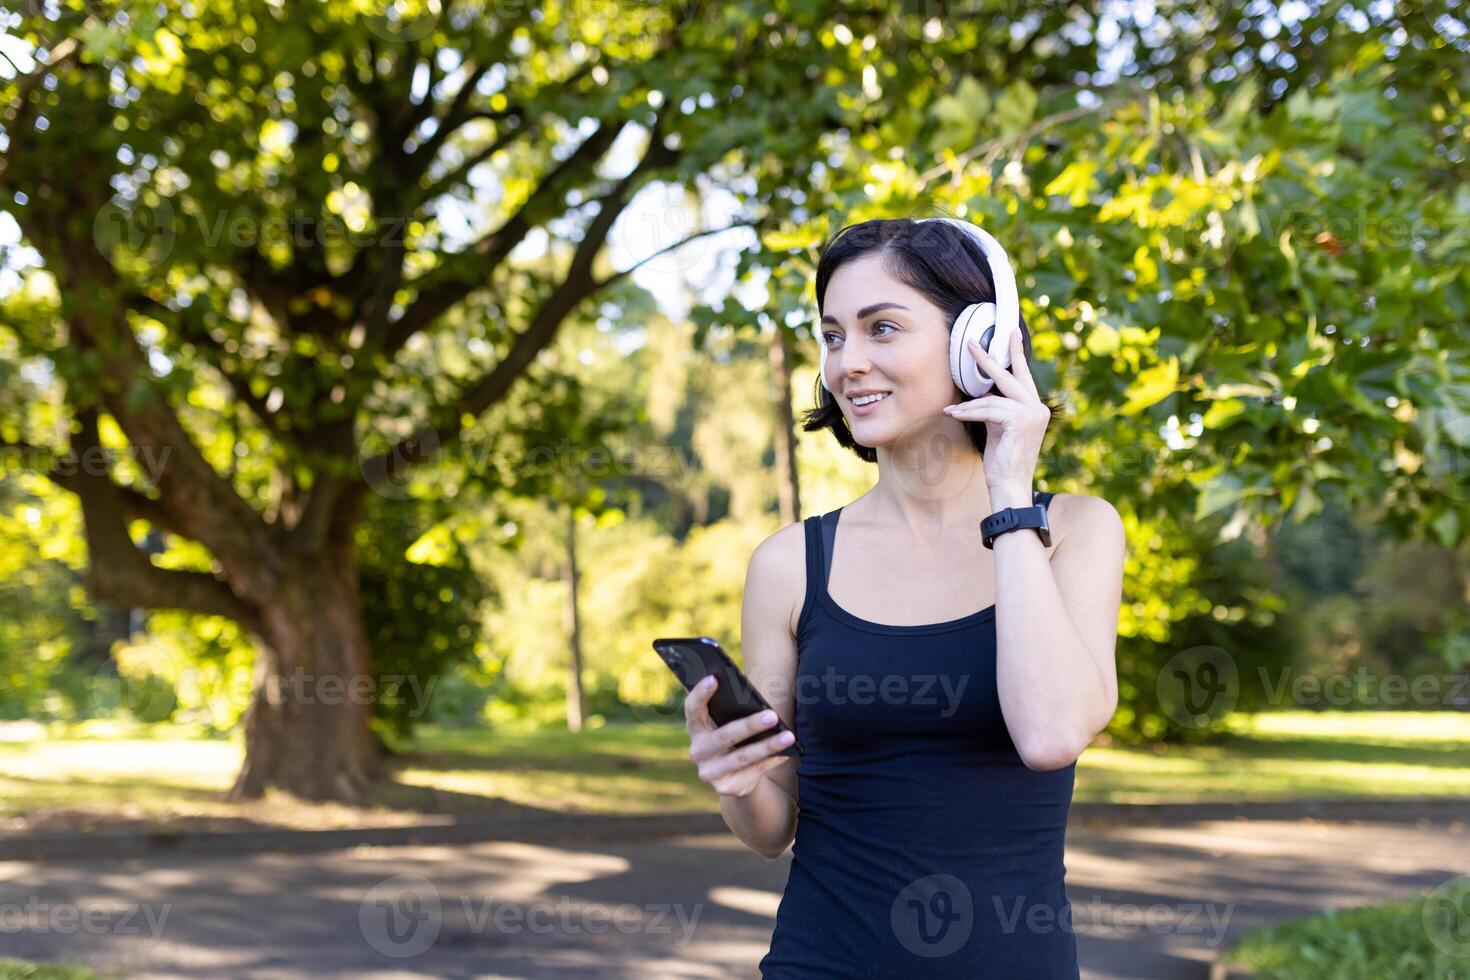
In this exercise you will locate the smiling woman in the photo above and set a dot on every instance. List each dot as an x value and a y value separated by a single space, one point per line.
943 701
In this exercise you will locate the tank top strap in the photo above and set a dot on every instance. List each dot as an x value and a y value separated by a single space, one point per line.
829 535
816 575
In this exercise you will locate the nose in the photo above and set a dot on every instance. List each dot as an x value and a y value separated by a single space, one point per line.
853 360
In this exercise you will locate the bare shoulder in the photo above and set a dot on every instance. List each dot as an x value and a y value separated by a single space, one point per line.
1083 519
777 573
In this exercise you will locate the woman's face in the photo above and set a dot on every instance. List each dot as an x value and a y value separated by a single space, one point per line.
885 336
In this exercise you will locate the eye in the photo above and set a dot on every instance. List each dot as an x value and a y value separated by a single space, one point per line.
830 339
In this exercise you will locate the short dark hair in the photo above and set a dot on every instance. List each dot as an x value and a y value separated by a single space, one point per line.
939 260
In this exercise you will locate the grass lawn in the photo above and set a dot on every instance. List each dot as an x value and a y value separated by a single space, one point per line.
1289 755
1398 941
98 777
19 970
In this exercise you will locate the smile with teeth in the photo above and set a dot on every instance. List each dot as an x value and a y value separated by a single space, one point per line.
869 399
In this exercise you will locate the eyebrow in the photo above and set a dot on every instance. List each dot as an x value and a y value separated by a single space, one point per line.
866 312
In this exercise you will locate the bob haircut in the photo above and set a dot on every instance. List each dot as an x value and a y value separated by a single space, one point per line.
940 261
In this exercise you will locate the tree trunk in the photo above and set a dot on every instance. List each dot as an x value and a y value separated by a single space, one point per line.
306 730
576 701
788 485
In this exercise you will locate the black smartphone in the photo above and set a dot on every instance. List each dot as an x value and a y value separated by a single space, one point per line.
695 658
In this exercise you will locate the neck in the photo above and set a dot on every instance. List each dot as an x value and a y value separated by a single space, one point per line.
928 493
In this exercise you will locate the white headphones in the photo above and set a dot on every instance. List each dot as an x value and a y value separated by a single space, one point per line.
1000 319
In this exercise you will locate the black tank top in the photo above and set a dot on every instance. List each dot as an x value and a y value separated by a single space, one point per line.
924 846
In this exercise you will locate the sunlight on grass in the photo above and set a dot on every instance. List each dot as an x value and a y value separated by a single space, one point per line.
1289 755
162 762
95 777
1416 726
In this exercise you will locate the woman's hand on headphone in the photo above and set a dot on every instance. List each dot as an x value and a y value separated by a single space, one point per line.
1015 420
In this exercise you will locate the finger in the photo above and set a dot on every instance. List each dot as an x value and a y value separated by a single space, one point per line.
1003 378
696 702
742 728
988 408
749 755
1019 367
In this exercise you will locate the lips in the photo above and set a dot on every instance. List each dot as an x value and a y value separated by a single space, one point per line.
870 407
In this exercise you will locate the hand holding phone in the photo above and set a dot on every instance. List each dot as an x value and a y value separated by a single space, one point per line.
729 739
722 763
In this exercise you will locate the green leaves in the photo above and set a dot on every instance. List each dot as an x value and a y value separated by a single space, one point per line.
961 116
1152 386
1017 107
968 116
1077 182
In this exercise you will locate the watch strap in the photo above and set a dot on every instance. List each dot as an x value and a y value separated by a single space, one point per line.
1018 518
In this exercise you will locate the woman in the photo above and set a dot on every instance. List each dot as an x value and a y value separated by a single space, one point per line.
941 689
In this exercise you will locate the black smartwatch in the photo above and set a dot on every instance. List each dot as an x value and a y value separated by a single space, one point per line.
1014 519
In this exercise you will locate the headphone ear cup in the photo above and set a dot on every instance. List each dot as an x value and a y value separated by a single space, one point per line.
1000 344
822 371
975 322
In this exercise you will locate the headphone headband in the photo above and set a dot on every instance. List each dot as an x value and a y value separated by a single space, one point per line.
991 324
1007 300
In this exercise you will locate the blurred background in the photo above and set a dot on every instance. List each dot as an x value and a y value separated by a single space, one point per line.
380 380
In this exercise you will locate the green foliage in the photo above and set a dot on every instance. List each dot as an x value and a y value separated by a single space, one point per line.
1422 939
1187 594
180 667
39 631
22 970
423 612
1380 615
1246 266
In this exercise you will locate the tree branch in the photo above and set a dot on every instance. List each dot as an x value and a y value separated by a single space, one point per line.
448 182
206 506
618 276
462 273
576 286
119 573
455 116
68 471
314 523
147 305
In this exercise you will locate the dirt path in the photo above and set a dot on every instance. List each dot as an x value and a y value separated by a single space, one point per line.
1150 899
